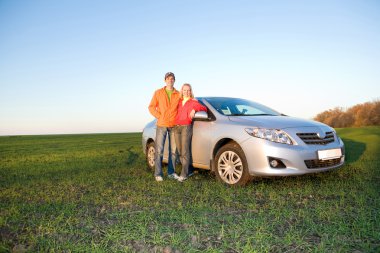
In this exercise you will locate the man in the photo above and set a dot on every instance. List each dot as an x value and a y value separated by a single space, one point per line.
163 107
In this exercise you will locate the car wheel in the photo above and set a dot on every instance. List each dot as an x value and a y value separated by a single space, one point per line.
231 165
150 155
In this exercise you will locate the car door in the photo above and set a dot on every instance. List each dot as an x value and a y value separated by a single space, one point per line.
201 144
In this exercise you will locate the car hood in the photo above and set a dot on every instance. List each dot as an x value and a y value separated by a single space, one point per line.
278 122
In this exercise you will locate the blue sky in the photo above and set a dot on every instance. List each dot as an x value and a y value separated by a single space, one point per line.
92 66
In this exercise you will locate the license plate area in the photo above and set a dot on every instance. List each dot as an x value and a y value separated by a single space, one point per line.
329 154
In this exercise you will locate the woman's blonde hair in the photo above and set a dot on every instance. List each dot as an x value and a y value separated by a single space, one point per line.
191 90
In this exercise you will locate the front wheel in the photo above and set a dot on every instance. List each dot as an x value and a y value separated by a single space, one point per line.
150 155
231 165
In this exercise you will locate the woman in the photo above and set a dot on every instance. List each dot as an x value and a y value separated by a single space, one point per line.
187 107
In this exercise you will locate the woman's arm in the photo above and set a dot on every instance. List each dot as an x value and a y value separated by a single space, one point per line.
198 106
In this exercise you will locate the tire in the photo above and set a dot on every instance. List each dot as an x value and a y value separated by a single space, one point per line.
231 165
150 154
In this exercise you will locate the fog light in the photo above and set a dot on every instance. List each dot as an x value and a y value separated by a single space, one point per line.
273 163
276 163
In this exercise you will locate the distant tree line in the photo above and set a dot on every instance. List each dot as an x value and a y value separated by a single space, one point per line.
367 114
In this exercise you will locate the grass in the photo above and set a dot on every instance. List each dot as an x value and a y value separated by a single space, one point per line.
93 193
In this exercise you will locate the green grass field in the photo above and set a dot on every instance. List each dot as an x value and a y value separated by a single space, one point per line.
93 193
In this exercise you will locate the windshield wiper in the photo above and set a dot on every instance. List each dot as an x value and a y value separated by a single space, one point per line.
239 114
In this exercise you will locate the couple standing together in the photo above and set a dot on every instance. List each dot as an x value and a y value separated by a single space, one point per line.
174 112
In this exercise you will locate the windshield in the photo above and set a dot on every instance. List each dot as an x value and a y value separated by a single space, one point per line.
240 107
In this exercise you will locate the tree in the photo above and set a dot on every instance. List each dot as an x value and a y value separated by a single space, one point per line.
366 114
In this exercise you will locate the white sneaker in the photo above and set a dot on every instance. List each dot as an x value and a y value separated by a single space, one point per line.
181 178
159 179
173 176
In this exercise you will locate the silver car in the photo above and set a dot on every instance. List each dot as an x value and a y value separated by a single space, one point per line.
239 139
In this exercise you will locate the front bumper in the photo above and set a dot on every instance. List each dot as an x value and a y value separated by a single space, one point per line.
296 158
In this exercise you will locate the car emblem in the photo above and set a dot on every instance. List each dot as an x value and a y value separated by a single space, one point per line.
321 135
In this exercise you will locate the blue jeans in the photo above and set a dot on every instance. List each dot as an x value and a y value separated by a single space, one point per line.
161 133
183 134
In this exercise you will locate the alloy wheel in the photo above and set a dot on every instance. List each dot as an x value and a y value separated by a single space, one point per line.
230 167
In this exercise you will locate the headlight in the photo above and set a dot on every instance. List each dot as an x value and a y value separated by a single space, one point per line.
274 135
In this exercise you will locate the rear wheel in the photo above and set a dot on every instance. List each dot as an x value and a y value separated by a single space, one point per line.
150 155
231 165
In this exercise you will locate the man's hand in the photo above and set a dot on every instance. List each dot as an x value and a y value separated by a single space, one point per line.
192 113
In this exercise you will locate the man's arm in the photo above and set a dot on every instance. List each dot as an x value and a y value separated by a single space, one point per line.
153 106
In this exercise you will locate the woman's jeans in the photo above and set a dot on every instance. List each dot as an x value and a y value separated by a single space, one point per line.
161 133
183 134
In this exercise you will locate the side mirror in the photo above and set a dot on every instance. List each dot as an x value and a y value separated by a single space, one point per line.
201 115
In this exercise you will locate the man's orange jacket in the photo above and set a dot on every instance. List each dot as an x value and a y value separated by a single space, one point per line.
163 110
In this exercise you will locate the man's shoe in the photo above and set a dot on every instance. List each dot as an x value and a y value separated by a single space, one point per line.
173 176
181 178
190 174
159 179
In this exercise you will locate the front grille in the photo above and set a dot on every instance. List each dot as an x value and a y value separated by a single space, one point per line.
316 164
313 138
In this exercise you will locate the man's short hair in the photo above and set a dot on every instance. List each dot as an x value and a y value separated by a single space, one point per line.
169 74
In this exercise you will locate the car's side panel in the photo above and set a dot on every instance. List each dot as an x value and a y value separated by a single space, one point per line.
149 132
201 143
